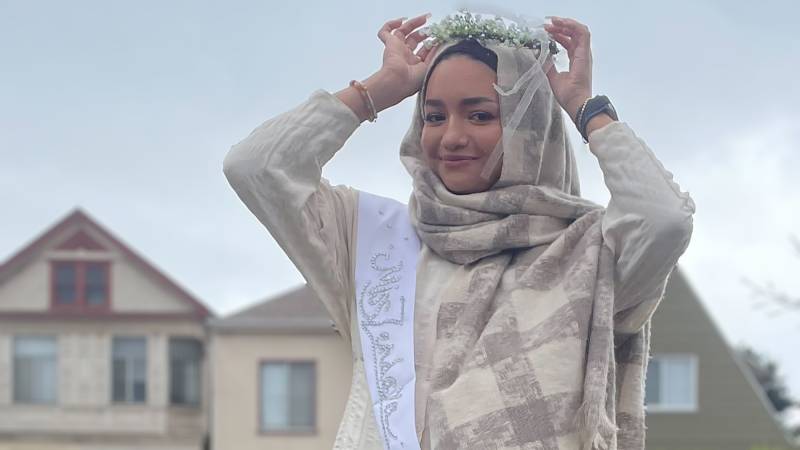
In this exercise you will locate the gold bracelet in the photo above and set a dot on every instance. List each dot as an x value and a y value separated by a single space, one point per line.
362 90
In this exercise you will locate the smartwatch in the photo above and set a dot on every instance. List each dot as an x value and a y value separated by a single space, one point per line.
598 104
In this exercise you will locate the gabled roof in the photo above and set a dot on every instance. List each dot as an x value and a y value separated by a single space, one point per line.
296 311
80 220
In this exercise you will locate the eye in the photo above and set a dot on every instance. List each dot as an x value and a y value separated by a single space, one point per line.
433 117
482 116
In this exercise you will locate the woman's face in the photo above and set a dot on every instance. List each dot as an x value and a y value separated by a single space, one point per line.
462 123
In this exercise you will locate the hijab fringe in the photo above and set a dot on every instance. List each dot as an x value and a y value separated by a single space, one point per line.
594 423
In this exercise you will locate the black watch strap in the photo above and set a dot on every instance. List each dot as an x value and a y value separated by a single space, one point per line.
596 105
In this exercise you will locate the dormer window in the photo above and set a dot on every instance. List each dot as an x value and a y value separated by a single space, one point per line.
80 284
96 289
66 289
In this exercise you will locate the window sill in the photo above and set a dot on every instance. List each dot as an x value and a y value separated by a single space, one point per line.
289 432
22 404
666 409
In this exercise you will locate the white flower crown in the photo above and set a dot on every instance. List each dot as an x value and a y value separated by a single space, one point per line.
465 25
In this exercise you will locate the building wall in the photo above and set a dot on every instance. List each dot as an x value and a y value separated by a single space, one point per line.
97 444
235 368
730 415
28 290
84 411
132 290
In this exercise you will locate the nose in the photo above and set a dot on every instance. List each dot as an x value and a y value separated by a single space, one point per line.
455 136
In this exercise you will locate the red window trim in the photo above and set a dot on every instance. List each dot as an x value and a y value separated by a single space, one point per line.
80 304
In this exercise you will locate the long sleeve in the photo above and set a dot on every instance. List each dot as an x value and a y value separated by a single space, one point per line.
648 222
277 173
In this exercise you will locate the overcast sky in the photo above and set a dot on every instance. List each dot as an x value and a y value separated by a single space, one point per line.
127 110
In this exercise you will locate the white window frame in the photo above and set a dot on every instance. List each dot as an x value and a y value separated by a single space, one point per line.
198 400
129 375
693 383
14 382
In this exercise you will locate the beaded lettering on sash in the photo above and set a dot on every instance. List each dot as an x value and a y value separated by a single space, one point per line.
386 256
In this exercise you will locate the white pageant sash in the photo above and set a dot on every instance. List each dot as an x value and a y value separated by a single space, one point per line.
386 263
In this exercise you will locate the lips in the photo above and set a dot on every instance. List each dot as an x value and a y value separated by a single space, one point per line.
458 158
457 162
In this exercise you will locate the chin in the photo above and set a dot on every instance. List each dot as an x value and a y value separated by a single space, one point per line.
461 187
463 182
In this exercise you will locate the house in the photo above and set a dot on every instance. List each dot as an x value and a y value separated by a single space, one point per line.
281 376
700 395
99 349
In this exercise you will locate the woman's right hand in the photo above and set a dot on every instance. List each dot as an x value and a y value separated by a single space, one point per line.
401 65
402 71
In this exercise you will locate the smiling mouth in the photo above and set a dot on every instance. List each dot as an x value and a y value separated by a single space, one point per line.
453 158
457 162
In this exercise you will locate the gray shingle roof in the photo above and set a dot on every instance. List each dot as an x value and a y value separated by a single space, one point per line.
296 311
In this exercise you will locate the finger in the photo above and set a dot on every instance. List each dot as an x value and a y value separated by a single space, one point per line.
387 28
576 33
571 27
413 39
551 69
573 23
565 42
553 75
557 29
424 53
563 31
413 23
549 65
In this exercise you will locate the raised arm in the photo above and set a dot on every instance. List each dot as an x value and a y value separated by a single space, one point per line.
277 169
648 222
276 172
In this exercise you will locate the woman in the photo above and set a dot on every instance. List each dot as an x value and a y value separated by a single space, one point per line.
500 310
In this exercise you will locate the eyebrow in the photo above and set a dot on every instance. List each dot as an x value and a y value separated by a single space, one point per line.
464 102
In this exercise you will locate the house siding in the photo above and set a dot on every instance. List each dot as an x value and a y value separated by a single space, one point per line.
235 364
84 408
731 415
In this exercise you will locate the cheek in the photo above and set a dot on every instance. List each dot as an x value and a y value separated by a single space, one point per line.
429 144
490 137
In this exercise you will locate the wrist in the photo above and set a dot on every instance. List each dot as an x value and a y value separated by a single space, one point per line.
573 106
378 86
597 122
383 90
596 113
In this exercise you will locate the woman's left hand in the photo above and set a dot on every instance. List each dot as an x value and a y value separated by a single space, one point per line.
573 87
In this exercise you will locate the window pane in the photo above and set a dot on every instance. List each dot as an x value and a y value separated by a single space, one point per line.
185 363
66 289
139 380
129 369
35 376
301 398
670 382
678 373
118 381
653 383
274 398
96 284
287 396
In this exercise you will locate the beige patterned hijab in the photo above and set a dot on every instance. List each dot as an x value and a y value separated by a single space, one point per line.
530 238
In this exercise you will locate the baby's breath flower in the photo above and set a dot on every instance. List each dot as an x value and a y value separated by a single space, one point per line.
465 25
